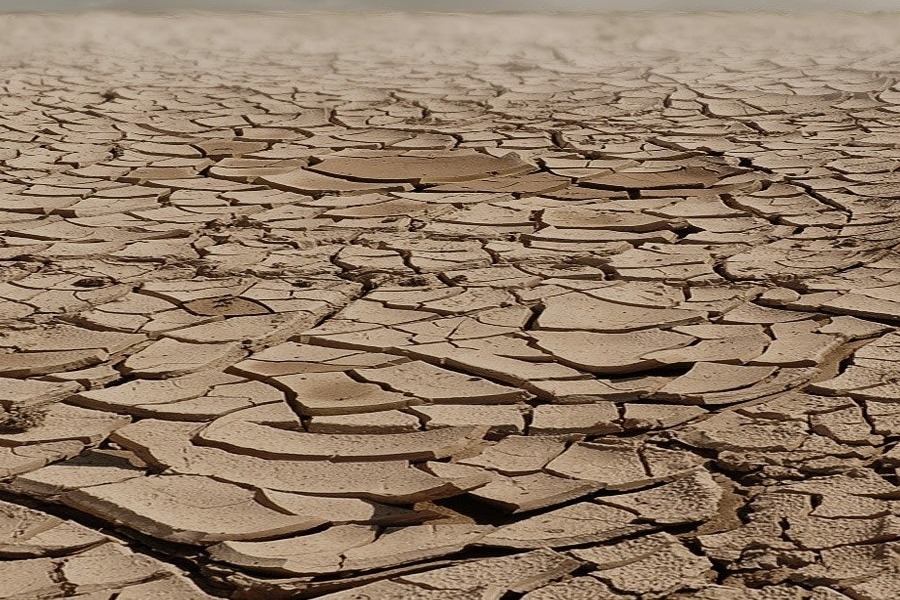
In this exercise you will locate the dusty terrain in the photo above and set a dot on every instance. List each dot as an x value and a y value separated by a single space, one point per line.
428 308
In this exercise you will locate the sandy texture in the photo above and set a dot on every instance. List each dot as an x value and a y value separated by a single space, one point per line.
448 307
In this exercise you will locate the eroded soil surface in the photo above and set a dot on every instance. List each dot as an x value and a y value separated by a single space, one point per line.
428 308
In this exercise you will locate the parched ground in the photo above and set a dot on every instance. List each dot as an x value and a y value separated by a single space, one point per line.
450 307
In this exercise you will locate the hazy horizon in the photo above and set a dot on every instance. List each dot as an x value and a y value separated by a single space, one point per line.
70 6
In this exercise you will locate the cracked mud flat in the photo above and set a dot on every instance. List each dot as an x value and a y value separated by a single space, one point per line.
427 308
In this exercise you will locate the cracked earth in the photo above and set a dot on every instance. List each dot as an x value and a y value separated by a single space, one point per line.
448 307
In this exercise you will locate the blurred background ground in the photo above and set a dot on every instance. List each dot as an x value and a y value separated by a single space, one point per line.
447 5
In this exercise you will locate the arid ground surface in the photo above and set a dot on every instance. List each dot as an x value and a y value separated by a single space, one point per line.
450 307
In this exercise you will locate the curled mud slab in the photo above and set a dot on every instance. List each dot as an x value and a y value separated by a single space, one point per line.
450 307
